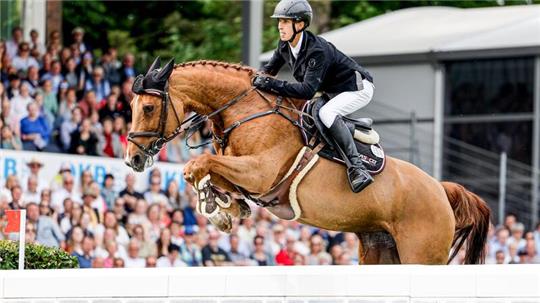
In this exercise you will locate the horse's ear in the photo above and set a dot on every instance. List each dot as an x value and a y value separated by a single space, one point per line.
166 71
155 64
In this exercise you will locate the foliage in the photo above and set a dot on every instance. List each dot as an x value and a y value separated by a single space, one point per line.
212 29
36 257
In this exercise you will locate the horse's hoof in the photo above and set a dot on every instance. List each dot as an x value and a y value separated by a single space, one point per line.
245 210
223 200
203 182
222 221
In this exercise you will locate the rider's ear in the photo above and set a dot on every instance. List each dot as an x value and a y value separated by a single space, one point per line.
166 71
155 64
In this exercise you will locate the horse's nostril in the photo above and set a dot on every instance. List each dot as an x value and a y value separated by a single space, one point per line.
137 160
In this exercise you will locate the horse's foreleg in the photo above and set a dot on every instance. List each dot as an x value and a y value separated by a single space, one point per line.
249 172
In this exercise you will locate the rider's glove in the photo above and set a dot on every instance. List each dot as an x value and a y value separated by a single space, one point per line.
267 83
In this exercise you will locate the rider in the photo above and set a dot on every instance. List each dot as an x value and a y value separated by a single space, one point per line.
318 65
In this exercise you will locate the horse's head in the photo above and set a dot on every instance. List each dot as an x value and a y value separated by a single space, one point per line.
155 119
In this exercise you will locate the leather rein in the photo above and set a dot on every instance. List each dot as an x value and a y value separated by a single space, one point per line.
196 121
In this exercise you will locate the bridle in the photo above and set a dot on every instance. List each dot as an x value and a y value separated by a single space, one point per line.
159 133
197 120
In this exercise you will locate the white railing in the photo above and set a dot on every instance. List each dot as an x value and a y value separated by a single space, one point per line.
391 283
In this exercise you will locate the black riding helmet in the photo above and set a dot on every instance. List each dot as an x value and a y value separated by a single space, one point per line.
297 10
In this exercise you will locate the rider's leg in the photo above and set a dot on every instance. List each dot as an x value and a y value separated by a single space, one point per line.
342 105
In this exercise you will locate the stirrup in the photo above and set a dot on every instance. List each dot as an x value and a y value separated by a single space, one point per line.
359 185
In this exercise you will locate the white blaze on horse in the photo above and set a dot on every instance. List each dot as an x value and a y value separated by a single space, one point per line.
405 216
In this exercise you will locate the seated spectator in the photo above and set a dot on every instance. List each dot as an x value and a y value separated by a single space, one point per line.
128 67
50 102
83 140
110 66
517 230
32 194
260 256
286 255
9 118
35 130
151 262
108 193
88 104
68 127
32 79
19 103
190 251
35 44
129 190
66 191
109 142
48 233
7 139
212 254
75 238
67 105
133 260
12 44
78 38
154 193
55 76
16 198
110 108
98 84
14 83
317 255
147 248
23 60
70 74
85 258
172 259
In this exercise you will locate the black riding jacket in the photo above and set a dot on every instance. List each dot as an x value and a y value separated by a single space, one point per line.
320 66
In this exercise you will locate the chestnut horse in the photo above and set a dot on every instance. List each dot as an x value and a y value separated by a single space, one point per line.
424 219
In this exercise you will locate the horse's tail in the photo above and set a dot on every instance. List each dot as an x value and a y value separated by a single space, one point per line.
472 222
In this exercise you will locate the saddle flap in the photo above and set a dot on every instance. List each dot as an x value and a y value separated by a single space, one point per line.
365 123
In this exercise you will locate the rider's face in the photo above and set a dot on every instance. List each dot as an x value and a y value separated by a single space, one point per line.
285 28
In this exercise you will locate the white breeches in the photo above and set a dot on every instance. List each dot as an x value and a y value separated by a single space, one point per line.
347 103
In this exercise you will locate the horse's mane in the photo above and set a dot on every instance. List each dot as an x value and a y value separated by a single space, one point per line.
238 67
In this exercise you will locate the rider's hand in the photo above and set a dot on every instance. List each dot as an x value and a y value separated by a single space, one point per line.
267 83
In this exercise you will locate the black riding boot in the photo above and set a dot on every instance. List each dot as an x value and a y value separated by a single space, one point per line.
358 175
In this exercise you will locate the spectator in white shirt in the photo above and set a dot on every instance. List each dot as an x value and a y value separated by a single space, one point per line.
133 260
172 259
23 60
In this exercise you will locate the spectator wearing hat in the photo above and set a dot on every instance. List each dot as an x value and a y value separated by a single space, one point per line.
78 38
23 61
12 45
35 130
47 231
190 251
88 198
172 259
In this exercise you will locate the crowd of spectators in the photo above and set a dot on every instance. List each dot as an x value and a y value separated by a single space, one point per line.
64 98
60 98
104 227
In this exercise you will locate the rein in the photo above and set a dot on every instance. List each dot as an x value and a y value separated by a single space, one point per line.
198 120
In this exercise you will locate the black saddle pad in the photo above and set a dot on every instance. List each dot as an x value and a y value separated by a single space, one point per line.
372 155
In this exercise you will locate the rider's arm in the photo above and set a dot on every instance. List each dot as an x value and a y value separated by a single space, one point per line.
315 73
274 65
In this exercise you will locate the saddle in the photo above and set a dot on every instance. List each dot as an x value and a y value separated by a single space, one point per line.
282 200
366 138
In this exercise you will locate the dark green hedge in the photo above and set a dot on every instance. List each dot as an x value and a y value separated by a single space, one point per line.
36 257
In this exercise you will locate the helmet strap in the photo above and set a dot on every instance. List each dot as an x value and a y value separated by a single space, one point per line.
295 32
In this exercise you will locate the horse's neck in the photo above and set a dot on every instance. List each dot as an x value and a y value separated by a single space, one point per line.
205 89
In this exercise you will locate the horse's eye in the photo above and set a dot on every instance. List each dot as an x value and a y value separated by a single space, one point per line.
148 109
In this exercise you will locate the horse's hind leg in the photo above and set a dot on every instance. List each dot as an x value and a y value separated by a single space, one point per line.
377 248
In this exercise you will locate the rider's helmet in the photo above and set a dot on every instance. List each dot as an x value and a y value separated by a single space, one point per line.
298 10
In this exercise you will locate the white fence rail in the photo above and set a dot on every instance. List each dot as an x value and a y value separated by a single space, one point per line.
347 284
